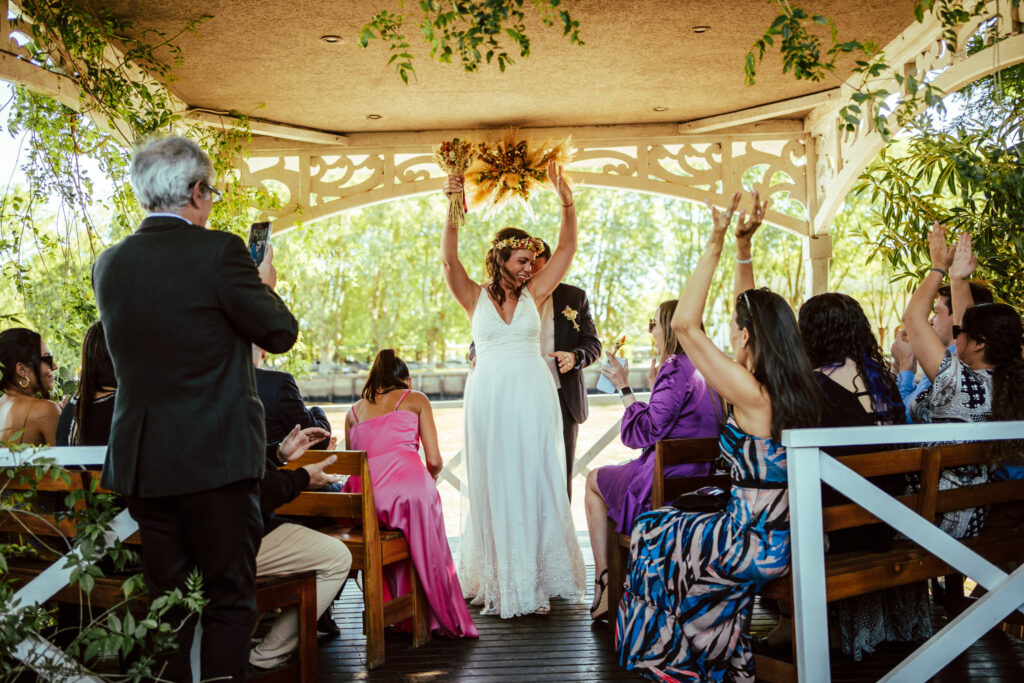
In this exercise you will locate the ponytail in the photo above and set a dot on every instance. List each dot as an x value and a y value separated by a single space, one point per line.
388 372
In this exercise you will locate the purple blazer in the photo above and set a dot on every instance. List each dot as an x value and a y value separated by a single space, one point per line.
682 406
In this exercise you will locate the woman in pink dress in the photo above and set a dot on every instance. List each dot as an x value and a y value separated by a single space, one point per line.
389 422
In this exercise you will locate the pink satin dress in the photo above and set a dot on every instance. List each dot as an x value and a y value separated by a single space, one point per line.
406 498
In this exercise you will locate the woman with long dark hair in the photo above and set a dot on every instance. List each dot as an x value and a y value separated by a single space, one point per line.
27 416
518 547
85 420
693 575
389 422
681 406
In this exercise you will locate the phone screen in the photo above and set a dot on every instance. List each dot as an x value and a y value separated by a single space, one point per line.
259 238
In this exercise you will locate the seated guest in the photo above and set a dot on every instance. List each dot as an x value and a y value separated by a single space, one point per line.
283 407
26 378
693 575
980 379
389 422
858 391
942 320
289 548
85 420
681 407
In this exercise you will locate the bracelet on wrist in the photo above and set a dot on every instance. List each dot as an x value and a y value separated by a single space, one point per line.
940 271
625 391
566 206
745 260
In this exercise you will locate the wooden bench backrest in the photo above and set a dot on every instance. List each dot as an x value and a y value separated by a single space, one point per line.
929 501
41 523
669 452
356 506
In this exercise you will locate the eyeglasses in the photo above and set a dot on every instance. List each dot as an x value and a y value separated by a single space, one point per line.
48 359
651 324
215 194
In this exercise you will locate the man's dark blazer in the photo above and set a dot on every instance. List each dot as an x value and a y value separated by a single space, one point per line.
583 342
284 408
181 307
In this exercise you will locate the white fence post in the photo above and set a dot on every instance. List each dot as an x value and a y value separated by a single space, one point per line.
810 609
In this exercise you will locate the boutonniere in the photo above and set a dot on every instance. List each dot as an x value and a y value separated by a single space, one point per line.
570 315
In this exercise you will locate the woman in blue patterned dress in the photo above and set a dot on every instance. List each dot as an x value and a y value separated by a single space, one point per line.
693 576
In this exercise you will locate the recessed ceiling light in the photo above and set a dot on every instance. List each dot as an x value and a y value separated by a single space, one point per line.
700 29
660 108
330 38
374 117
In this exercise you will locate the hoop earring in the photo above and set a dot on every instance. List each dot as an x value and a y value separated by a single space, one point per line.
23 383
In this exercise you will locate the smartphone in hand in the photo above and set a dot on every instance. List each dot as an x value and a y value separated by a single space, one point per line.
259 238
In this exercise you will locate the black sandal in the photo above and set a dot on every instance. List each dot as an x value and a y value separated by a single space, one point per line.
599 608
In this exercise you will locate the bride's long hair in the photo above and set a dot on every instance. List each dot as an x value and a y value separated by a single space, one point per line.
495 264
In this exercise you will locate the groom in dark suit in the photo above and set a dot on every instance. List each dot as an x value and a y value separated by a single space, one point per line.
569 338
181 307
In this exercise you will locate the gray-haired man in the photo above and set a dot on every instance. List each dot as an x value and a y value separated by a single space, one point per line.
181 306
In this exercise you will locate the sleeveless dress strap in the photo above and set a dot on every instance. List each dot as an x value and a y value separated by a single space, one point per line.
353 411
402 399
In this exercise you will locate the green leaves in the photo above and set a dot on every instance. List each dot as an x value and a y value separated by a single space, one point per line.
471 28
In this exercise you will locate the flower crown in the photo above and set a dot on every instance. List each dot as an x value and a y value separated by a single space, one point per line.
534 244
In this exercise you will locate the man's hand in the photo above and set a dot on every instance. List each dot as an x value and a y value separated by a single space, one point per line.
903 353
566 360
317 478
268 274
298 442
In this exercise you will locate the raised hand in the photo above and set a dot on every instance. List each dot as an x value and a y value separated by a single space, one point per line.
941 254
556 176
720 221
652 373
964 259
453 184
745 229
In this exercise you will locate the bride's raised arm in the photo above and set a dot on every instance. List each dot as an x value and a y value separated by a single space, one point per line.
545 282
462 287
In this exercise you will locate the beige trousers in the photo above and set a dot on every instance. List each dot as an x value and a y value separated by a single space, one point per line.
294 548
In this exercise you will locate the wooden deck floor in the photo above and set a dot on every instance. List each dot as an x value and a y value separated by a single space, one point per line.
565 646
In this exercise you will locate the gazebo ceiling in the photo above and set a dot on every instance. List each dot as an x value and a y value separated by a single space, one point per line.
266 59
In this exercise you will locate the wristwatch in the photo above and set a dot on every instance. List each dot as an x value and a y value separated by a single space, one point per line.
625 391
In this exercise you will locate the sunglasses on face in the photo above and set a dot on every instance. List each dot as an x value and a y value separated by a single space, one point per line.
651 324
48 359
215 194
957 330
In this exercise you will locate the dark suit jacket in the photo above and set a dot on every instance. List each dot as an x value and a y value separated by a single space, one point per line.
283 407
583 342
181 306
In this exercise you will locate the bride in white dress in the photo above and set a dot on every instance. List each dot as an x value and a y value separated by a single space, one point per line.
518 548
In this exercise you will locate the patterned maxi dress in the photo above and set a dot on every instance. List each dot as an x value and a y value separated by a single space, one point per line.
693 576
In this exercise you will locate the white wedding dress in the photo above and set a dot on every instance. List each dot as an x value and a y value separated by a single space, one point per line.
518 546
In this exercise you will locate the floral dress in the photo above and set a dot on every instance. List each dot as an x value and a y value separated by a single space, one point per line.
693 576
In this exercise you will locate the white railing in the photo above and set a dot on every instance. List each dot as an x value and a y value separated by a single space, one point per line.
808 467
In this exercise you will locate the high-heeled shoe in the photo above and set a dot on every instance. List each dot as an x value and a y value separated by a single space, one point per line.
599 608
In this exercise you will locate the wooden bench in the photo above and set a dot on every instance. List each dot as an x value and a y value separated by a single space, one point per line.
272 592
667 453
858 573
372 549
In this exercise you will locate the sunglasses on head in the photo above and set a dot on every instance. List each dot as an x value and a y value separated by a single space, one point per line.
651 324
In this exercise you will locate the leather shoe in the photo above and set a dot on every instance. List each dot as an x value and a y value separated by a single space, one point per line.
325 624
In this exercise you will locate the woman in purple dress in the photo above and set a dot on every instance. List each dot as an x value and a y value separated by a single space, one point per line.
682 406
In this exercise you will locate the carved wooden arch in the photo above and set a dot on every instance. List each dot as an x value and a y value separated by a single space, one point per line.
315 184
